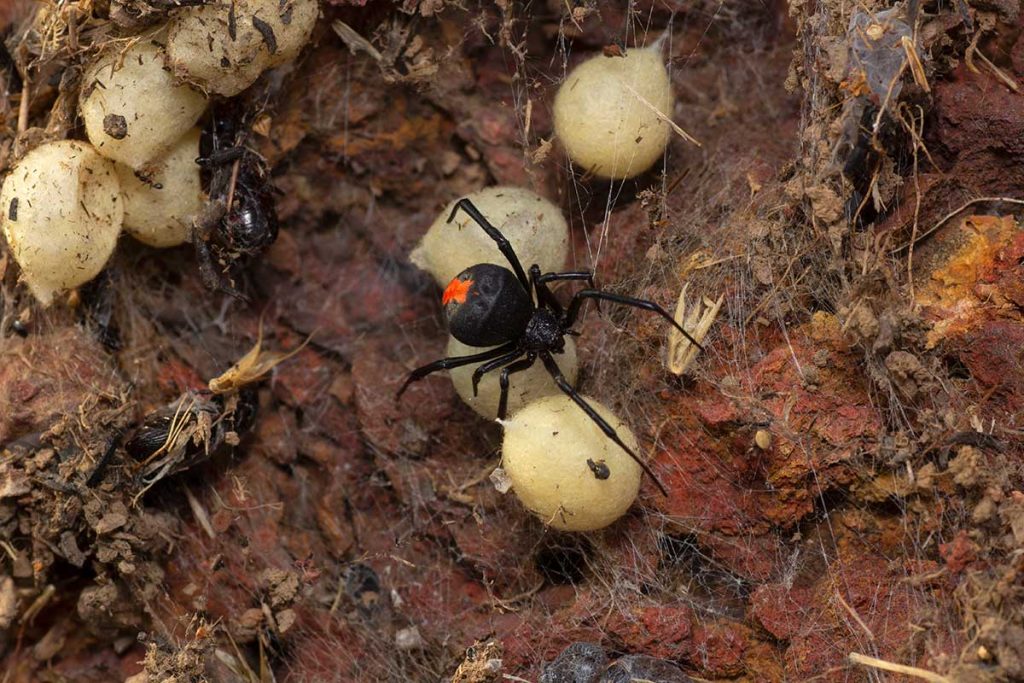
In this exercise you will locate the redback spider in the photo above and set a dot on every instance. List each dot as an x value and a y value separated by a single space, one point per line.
490 305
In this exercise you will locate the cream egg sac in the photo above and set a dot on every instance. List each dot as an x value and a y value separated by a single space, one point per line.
557 457
606 113
161 200
61 212
133 109
223 47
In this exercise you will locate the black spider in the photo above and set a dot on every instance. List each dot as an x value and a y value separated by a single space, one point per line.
490 305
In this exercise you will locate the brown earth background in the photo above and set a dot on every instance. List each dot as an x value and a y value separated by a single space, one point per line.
871 326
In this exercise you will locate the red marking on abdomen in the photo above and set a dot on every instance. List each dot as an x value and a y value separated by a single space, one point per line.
456 291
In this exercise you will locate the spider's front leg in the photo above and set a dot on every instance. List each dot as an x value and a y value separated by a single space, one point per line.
544 293
545 296
585 275
596 294
504 246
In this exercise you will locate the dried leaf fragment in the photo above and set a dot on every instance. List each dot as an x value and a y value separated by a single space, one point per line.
697 321
252 366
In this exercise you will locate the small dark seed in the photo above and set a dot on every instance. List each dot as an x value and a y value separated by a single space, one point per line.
600 469
232 26
12 211
115 126
267 32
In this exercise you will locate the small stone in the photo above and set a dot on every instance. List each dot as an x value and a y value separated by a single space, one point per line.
51 644
245 628
578 663
644 668
500 479
68 546
115 126
285 620
409 639
110 522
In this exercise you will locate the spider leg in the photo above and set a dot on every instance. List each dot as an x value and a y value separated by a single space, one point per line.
545 297
504 246
584 294
518 366
493 365
449 363
585 275
540 283
608 430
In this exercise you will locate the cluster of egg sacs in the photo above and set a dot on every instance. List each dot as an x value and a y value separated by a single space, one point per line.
64 203
610 116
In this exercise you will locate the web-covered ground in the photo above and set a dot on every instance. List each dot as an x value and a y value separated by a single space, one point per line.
844 461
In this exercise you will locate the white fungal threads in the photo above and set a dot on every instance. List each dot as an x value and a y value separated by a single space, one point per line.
159 205
132 108
61 212
610 113
534 226
224 47
545 454
524 387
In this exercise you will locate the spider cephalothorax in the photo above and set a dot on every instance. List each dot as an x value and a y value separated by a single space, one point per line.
488 305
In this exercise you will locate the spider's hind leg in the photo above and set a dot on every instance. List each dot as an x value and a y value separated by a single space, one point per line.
449 363
503 381
608 430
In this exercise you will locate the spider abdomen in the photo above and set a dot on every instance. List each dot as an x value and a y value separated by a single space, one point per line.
486 305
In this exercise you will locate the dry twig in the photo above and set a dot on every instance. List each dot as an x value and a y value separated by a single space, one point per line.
864 660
